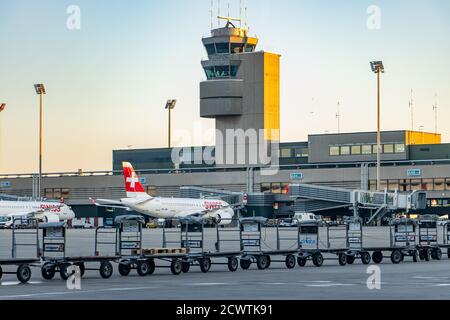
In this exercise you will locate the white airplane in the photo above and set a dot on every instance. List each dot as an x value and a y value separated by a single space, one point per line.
194 210
46 211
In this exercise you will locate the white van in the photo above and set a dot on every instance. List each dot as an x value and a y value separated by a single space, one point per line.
302 217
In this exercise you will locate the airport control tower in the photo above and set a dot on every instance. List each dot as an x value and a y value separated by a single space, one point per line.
242 92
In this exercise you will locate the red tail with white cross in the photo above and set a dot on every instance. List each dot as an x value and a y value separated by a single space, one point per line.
133 185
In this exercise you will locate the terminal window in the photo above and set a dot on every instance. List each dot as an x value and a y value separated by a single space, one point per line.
237 48
286 153
334 151
302 153
400 148
57 193
345 151
356 150
152 191
367 149
249 48
388 148
223 48
210 48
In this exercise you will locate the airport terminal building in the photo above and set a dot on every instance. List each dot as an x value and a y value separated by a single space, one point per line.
410 161
242 91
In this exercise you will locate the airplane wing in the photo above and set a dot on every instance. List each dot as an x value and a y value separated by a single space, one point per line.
197 216
109 204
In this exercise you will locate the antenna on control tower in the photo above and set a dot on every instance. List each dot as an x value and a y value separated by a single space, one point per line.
240 13
218 13
245 21
435 109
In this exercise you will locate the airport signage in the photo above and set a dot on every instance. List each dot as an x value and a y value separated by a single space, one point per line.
131 245
5 184
251 242
308 241
130 227
54 233
354 240
403 238
428 238
414 172
405 229
296 176
192 244
354 226
49 247
143 180
251 227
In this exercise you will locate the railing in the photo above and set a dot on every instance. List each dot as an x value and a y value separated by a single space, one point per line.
232 169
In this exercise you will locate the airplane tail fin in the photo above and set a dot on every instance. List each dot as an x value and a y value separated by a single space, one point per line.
133 185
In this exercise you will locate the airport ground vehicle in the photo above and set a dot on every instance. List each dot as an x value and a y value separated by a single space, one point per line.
10 222
301 217
22 238
80 224
307 241
54 255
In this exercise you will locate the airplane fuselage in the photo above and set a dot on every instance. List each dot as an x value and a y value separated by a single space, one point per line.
12 208
167 208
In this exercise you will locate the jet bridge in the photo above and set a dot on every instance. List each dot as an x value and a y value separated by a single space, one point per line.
313 198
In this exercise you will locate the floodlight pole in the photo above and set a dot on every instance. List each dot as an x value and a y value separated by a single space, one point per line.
379 132
40 90
40 147
170 128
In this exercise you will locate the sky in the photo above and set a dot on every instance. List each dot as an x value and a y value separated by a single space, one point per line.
107 82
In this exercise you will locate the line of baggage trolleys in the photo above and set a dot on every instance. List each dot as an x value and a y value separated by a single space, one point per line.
417 239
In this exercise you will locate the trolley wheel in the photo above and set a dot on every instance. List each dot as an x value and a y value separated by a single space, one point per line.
290 261
246 263
186 266
262 262
24 273
342 258
377 257
301 261
151 264
143 268
233 264
415 256
318 259
351 259
427 254
396 256
421 255
124 269
82 268
269 259
1 272
365 258
176 267
106 269
437 254
48 271
205 265
63 271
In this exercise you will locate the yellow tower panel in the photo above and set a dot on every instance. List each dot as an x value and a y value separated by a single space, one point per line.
419 138
272 96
